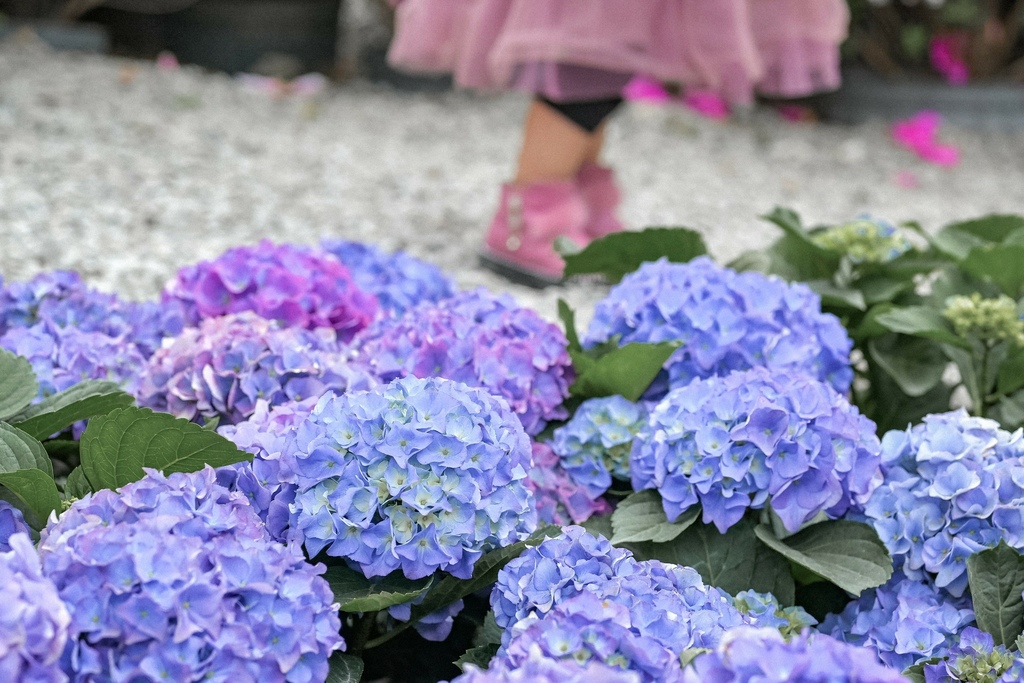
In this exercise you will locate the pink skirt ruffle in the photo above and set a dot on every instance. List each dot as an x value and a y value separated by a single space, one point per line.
786 48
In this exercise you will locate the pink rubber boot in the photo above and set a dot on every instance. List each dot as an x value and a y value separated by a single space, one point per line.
602 195
520 243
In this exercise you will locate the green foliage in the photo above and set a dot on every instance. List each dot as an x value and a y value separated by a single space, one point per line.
356 593
996 579
56 413
18 385
640 517
479 656
344 669
19 451
620 253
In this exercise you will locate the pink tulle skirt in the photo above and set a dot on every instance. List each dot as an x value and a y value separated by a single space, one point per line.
586 49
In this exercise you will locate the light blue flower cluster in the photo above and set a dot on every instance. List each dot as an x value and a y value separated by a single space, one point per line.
725 321
482 340
418 475
865 240
296 285
174 578
757 438
560 499
756 655
594 445
953 487
976 659
764 610
535 666
11 522
226 365
33 619
904 621
399 281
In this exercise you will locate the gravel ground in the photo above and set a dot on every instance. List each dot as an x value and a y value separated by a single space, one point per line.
125 172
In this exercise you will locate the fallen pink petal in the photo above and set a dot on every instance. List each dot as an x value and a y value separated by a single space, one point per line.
919 133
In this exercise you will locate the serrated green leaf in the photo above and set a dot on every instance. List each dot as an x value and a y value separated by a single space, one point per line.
641 517
19 451
36 492
568 318
489 633
834 297
915 364
1011 373
77 485
479 656
356 593
116 447
621 253
996 578
60 411
599 525
344 669
920 321
1002 265
627 371
849 554
957 239
18 384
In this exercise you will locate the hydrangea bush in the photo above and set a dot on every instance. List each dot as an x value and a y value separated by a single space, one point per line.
224 367
296 285
725 321
757 438
953 487
33 619
482 340
560 499
418 475
175 578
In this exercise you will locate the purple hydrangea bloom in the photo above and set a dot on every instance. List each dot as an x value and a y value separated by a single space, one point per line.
298 286
953 487
176 578
33 621
594 445
757 438
725 321
760 654
560 499
11 522
975 658
535 666
398 280
903 621
418 475
482 340
226 365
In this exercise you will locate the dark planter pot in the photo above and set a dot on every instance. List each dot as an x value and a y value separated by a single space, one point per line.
61 35
866 95
234 35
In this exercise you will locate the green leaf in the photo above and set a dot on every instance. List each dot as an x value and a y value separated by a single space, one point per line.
1009 411
356 593
116 447
849 554
568 318
641 517
623 252
35 490
344 669
19 451
18 384
957 239
627 371
479 656
838 297
792 258
920 321
77 485
915 364
881 289
212 423
887 405
790 222
599 525
915 672
1002 265
489 633
996 578
84 400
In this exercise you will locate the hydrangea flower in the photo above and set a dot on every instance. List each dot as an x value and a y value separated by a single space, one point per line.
992 320
534 666
418 475
865 240
725 321
226 365
953 487
482 340
759 654
176 578
594 445
11 522
560 499
904 621
764 609
757 438
295 285
398 280
977 659
33 622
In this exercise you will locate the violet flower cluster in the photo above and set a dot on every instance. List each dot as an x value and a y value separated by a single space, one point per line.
755 655
757 438
226 365
903 621
953 486
399 281
535 666
976 659
419 475
296 285
175 578
594 445
33 621
560 499
725 321
483 340
765 610
11 522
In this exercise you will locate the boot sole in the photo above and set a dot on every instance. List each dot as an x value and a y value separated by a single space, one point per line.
516 273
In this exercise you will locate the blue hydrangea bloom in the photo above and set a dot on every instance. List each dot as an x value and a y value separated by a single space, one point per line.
483 340
757 438
559 497
764 610
594 444
953 487
224 367
399 281
11 522
725 321
33 620
418 475
535 666
176 578
904 621
975 658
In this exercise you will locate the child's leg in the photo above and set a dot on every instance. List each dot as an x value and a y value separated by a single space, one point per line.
554 147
